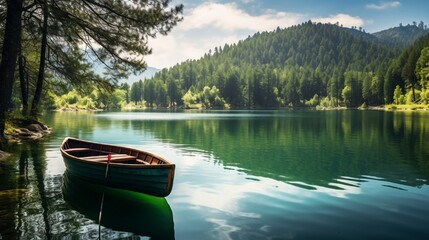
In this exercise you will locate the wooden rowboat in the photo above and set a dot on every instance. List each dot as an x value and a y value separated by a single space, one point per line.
129 168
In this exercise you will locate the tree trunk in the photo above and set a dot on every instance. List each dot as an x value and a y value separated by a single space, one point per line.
41 76
24 84
8 60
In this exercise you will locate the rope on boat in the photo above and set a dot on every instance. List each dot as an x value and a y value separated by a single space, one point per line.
109 156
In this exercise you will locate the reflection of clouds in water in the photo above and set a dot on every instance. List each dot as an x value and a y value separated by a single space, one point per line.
221 230
231 195
224 230
239 205
342 192
226 197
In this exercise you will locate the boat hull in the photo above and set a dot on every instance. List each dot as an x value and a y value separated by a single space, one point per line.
155 180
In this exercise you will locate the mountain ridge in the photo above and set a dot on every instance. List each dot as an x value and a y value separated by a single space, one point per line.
402 36
303 65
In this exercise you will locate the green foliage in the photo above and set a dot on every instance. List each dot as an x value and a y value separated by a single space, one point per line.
407 69
189 98
69 37
211 98
422 66
136 92
354 91
73 100
397 95
412 97
117 99
86 103
424 94
287 67
126 88
327 102
401 36
173 91
309 64
314 101
207 98
363 106
346 93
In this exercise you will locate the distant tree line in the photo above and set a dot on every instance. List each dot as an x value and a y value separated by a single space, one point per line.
304 65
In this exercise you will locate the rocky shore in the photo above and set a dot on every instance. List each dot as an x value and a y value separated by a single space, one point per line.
31 132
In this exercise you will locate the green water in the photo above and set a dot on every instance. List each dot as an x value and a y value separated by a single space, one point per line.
239 175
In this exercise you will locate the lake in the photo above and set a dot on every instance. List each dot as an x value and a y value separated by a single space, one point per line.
345 174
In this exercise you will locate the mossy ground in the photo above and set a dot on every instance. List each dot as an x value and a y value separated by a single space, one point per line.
407 107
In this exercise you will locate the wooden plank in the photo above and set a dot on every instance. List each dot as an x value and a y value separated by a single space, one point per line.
142 162
71 150
124 158
115 158
95 157
105 156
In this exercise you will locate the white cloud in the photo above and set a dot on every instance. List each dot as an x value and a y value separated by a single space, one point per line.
344 19
230 18
384 5
209 25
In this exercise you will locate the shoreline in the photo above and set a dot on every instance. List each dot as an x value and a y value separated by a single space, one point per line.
389 107
34 130
22 130
406 107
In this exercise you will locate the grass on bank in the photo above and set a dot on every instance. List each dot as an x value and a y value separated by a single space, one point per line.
407 107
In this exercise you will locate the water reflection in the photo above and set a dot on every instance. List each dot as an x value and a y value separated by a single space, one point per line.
32 204
27 193
123 210
306 149
245 175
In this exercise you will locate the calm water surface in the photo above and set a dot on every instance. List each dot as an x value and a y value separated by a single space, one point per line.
239 175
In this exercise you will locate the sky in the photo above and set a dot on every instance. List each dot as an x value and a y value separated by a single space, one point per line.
214 23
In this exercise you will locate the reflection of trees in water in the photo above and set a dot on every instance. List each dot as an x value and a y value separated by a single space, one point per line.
315 148
33 205
31 210
39 165
22 182
77 124
28 203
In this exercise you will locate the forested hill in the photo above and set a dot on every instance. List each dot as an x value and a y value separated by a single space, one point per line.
307 64
402 36
307 45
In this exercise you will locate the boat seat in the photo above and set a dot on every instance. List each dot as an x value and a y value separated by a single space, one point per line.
115 158
72 150
104 156
142 162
